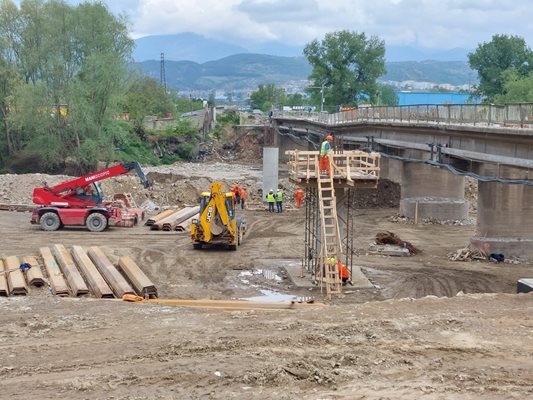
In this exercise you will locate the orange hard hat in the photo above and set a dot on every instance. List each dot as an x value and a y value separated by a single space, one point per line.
329 138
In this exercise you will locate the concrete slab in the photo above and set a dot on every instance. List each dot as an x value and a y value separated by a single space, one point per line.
304 280
388 250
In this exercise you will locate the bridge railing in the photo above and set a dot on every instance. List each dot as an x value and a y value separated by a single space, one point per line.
508 115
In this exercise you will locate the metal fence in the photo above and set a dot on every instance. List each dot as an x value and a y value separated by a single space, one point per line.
509 115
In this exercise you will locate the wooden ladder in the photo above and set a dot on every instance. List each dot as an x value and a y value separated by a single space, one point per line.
330 232
130 200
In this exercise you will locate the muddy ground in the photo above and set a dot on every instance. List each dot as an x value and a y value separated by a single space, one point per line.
429 328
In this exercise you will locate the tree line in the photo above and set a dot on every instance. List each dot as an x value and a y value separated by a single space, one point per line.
68 92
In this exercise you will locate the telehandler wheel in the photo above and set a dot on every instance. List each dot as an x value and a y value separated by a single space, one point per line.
197 246
96 222
50 221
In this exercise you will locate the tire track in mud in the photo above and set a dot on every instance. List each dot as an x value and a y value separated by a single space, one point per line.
402 282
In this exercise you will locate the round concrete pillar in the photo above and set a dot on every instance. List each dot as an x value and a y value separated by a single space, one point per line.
431 192
505 216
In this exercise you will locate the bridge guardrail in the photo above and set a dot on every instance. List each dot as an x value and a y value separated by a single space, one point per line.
508 115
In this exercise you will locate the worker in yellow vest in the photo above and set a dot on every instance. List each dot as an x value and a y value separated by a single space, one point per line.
270 199
325 154
279 200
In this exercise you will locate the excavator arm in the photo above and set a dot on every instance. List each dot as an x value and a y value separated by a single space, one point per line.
71 193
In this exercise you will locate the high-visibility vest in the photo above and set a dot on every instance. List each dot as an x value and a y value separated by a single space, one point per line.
325 148
279 196
270 198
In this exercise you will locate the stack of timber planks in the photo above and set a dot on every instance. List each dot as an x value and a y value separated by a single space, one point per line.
173 220
75 273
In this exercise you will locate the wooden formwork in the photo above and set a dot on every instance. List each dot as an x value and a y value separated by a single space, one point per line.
4 290
141 283
96 282
116 281
353 168
15 278
34 275
158 217
55 277
75 281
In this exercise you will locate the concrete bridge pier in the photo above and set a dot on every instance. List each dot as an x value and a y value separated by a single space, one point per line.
431 192
505 214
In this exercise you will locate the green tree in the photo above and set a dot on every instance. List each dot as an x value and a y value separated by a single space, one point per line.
145 96
267 96
491 59
347 64
65 73
516 88
387 96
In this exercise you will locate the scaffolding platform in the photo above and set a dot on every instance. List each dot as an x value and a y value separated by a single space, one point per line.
351 169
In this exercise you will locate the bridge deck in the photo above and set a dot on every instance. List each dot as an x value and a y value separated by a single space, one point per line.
354 168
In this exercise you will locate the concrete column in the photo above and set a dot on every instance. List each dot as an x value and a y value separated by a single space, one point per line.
270 169
390 169
432 192
505 215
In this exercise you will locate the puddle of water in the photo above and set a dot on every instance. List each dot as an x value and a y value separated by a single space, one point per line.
270 295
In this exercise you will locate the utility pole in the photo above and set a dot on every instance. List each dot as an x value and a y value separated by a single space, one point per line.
321 87
162 75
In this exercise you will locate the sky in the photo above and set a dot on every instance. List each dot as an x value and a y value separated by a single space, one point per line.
431 24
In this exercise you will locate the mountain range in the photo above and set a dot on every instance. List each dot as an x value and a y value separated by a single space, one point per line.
198 48
193 62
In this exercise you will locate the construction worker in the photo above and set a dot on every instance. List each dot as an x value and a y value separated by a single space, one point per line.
298 196
270 199
345 274
237 192
279 200
243 197
325 154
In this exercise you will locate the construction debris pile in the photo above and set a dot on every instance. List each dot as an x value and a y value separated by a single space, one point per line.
74 273
389 238
173 220
468 253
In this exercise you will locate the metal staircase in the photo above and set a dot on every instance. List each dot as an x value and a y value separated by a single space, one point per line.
331 241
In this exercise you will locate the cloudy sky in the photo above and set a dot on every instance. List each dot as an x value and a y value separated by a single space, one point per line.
439 24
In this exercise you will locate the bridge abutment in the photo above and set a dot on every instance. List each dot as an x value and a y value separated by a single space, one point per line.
505 214
430 192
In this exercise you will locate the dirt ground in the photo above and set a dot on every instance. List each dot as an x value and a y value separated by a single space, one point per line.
429 328
470 346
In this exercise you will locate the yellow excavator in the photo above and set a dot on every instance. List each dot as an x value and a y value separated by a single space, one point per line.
217 222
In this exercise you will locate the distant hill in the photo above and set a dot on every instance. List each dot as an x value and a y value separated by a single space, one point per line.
452 72
198 48
241 71
183 46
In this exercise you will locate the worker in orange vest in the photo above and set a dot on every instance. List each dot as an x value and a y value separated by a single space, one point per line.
325 154
298 196
243 196
237 192
345 274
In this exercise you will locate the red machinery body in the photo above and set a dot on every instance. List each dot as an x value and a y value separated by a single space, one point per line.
79 202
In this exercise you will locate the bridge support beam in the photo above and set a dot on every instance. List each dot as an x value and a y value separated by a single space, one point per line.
505 214
430 192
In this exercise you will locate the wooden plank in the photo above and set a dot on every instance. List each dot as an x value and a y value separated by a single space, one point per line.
75 281
34 275
115 280
141 283
158 217
55 277
15 279
230 305
97 283
4 290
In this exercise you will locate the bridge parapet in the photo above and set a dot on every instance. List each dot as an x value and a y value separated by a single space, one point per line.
349 168
508 115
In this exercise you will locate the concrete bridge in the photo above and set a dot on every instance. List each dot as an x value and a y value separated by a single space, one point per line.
429 149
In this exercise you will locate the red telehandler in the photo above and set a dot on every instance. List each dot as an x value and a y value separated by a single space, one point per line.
79 202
